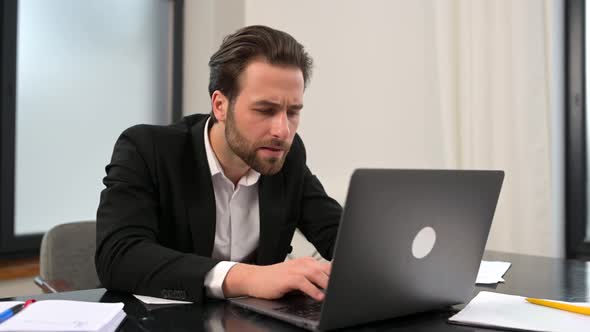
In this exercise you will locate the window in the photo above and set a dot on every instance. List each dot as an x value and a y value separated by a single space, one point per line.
74 75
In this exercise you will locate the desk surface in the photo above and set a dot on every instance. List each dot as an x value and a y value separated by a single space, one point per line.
528 276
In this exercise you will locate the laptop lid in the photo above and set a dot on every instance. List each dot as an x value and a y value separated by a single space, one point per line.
409 241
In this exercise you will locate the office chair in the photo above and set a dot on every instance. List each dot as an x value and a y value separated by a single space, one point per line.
66 259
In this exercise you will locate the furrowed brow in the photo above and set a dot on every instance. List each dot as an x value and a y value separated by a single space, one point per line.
270 104
266 103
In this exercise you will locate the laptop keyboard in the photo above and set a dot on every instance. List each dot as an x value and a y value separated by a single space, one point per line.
305 310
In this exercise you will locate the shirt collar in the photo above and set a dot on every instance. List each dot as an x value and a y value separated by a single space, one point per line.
247 180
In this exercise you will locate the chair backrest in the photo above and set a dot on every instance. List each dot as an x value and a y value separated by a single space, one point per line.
67 253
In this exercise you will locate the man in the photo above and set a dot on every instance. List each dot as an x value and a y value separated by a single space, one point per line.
209 205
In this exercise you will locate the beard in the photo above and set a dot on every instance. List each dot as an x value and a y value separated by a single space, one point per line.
247 151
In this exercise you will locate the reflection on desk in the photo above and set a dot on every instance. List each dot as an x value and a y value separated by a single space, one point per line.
529 276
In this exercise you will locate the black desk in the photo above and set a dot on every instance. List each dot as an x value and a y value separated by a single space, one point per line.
528 276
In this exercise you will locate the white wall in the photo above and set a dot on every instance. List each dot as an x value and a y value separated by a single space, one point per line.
206 23
370 94
374 93
368 101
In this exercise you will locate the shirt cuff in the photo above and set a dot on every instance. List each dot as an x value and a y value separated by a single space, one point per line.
215 277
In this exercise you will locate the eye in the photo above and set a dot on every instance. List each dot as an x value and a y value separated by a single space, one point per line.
293 113
264 110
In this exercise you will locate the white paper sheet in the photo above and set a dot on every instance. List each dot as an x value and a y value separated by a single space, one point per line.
491 272
514 312
157 300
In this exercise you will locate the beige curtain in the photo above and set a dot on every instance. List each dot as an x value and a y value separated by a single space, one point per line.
496 91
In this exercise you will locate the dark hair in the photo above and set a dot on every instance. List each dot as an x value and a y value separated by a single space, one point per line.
238 49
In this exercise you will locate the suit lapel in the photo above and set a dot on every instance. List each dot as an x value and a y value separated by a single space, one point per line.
271 196
198 192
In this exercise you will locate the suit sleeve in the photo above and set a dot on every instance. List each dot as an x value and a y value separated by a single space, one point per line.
128 255
320 214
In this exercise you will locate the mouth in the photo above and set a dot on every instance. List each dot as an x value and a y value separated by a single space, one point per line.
272 148
272 151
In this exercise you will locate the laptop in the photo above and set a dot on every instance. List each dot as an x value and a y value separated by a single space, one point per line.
409 241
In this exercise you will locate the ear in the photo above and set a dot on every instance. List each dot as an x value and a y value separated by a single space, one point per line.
219 104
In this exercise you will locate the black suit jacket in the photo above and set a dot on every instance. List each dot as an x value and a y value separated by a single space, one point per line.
156 218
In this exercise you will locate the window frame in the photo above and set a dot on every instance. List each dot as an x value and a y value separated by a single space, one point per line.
576 191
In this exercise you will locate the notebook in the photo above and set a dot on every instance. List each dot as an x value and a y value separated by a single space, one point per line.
494 310
66 316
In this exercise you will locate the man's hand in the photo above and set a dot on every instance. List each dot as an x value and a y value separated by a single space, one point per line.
273 281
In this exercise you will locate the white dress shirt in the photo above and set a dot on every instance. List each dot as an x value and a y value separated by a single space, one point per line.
237 220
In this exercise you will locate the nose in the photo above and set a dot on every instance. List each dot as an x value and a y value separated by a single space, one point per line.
280 125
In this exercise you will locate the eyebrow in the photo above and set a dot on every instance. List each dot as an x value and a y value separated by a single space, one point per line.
267 103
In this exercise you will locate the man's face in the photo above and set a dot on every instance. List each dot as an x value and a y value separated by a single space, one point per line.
263 119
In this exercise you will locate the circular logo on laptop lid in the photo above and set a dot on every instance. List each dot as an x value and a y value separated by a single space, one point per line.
423 242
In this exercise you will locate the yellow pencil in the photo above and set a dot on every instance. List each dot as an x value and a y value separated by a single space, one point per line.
560 305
